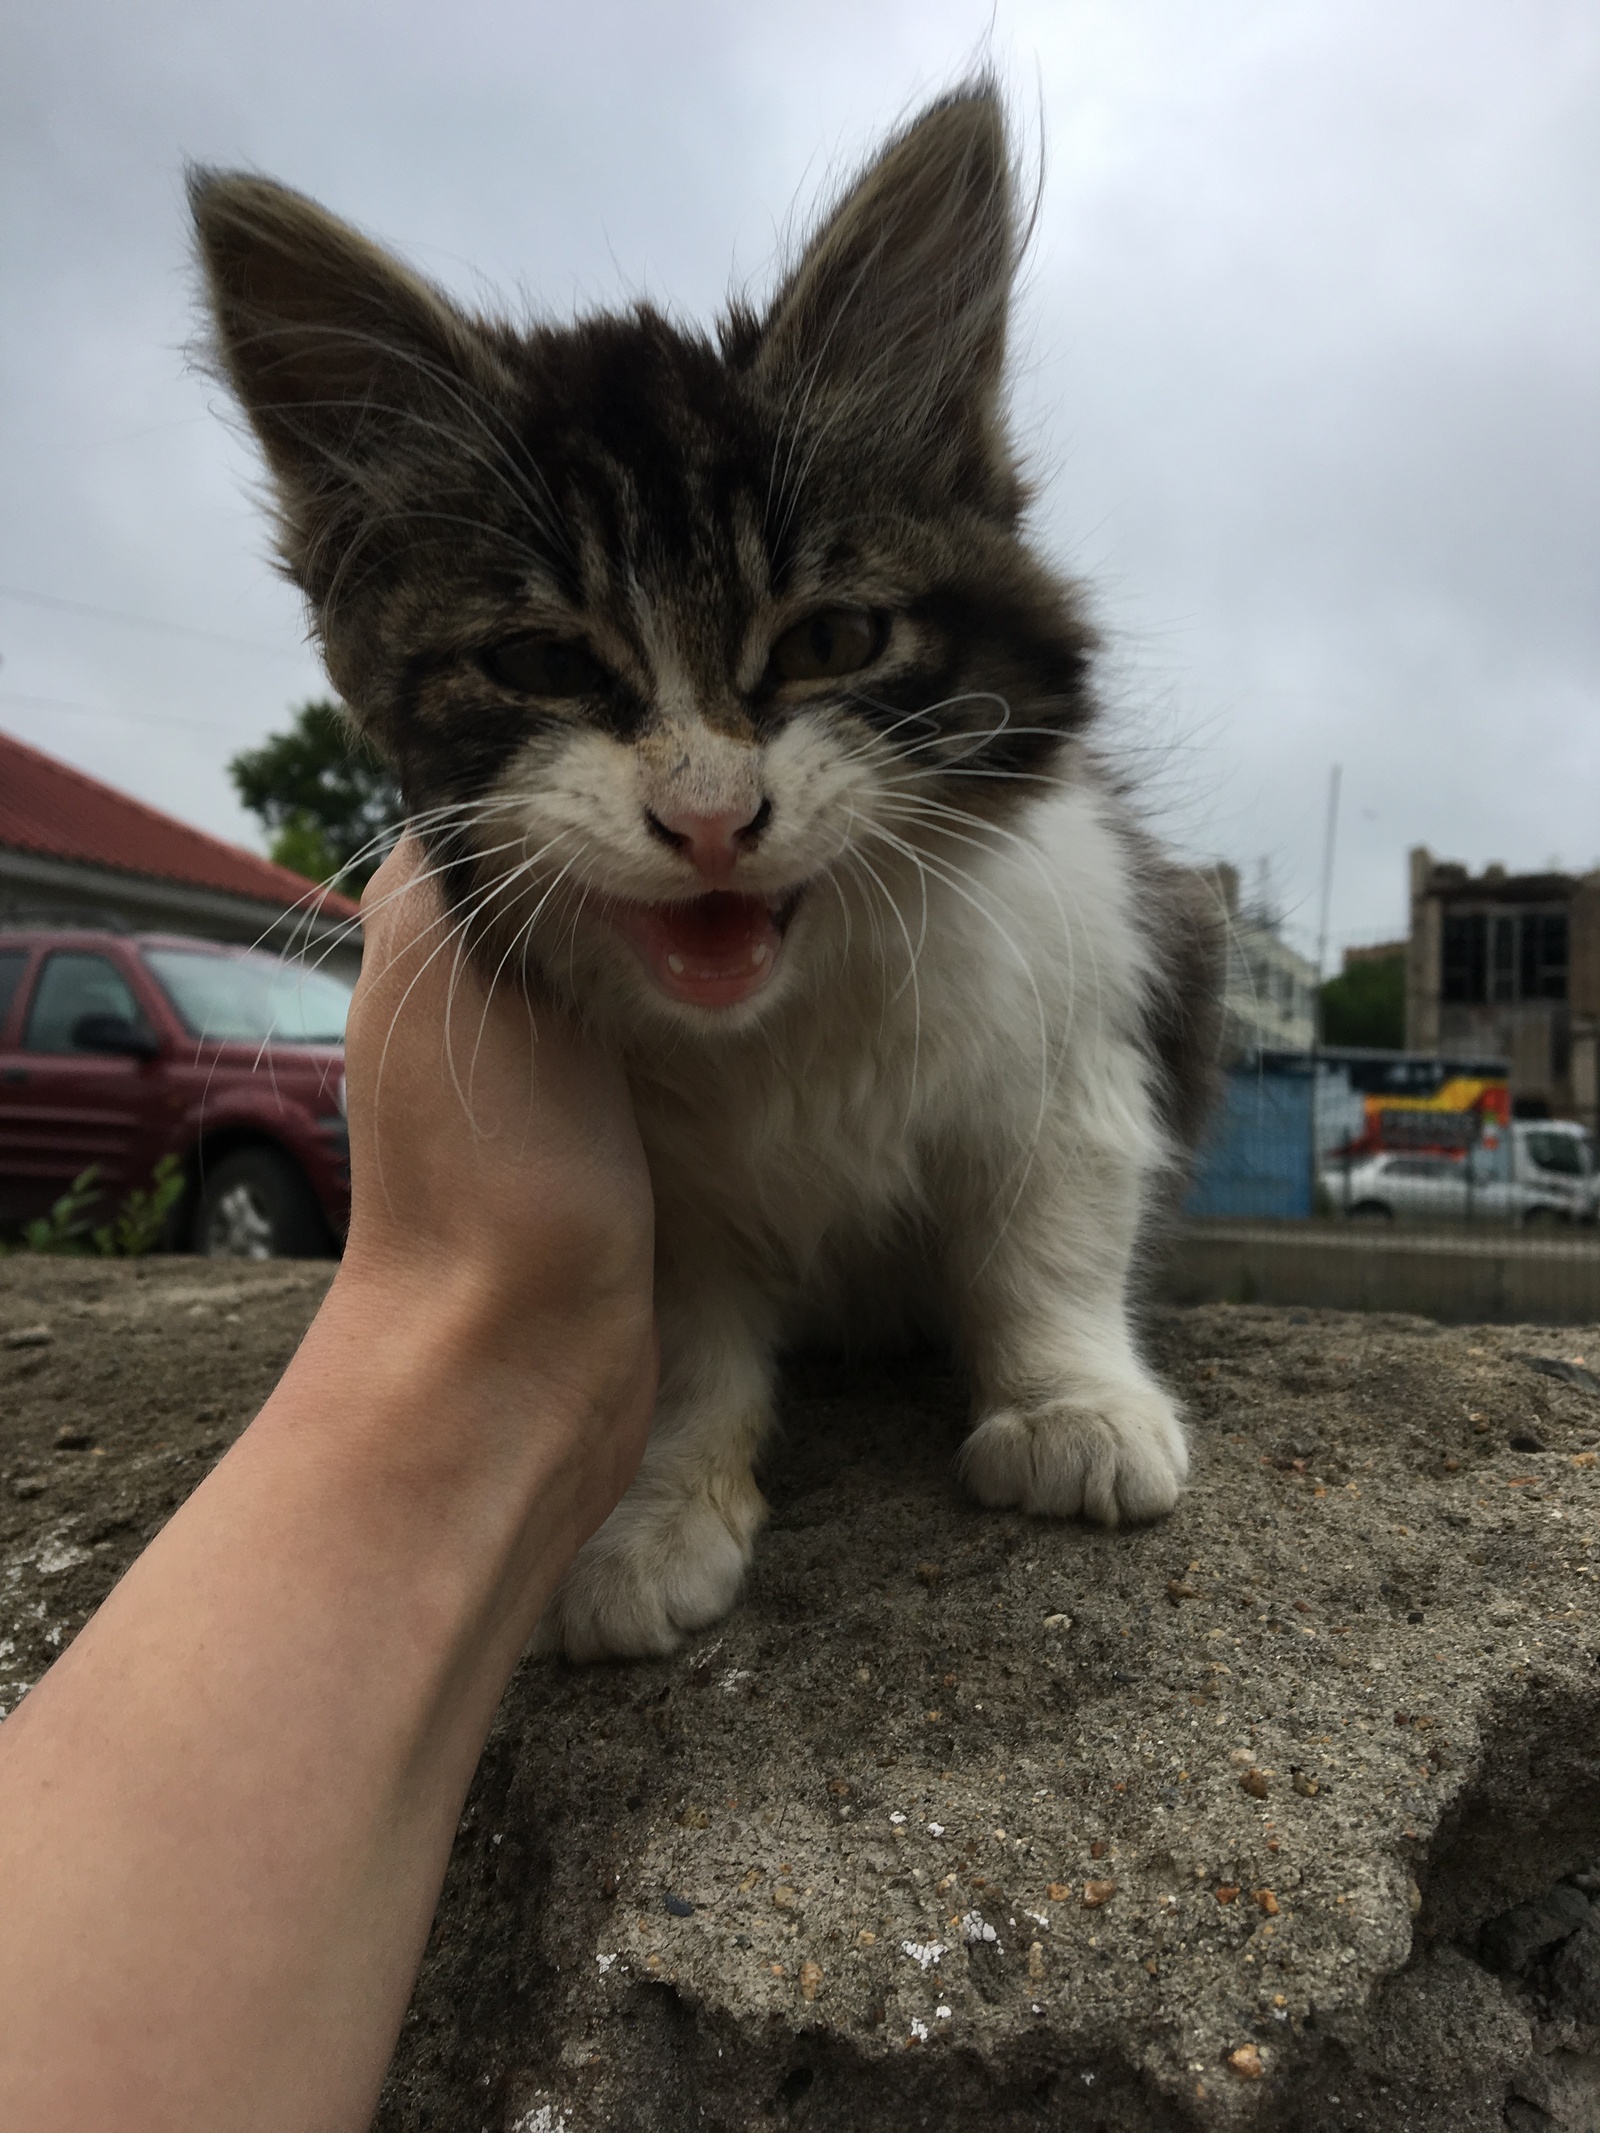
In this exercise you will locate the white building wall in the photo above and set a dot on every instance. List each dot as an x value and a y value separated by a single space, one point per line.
1271 991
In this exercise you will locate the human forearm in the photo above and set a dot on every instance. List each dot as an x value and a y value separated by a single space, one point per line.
225 1812
227 1809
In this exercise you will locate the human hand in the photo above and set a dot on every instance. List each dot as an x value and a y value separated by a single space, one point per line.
498 1183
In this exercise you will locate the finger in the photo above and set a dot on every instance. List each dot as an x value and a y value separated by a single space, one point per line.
404 925
399 898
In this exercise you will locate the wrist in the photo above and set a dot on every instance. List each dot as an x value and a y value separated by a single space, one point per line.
460 1414
551 1303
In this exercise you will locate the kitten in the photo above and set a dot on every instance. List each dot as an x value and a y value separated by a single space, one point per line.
728 694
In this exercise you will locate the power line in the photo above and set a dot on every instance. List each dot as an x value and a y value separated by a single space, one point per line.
138 718
140 622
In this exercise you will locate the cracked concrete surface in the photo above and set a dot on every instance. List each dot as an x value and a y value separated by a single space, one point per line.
962 1819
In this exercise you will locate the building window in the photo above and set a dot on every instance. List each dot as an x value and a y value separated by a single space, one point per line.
1503 957
1544 955
1503 961
1466 957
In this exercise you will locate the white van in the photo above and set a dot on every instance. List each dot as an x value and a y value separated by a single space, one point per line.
1541 1170
1558 1156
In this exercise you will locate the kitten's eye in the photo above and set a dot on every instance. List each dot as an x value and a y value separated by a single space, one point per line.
544 666
836 640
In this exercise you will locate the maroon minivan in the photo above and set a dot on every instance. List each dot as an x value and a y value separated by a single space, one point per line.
117 1049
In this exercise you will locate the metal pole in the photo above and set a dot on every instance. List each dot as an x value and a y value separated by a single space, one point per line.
1322 956
1329 835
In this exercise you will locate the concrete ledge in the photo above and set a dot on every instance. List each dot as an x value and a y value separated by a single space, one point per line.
962 1820
1460 1277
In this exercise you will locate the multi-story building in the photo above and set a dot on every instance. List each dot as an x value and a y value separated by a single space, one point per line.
1509 964
1270 998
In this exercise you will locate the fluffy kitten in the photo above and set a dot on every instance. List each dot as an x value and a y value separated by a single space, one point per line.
729 696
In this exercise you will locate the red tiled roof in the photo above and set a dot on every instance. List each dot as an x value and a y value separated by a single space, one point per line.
49 808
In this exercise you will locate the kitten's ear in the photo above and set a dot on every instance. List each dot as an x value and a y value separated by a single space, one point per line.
896 314
332 347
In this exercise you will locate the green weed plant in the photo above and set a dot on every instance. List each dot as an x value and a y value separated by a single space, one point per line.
137 1226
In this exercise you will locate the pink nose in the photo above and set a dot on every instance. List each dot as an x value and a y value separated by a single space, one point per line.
711 843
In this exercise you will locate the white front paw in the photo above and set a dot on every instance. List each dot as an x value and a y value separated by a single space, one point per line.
663 1564
1112 1454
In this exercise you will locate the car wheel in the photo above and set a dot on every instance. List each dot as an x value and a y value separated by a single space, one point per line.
1371 1211
256 1205
1543 1217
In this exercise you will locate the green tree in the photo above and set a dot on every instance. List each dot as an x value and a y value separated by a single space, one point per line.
324 795
1366 1004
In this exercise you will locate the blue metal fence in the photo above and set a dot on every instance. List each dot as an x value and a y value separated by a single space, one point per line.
1257 1158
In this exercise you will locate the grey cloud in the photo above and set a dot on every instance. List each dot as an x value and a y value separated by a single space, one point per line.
1309 355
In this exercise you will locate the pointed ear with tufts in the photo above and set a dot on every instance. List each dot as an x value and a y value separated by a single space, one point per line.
892 327
336 352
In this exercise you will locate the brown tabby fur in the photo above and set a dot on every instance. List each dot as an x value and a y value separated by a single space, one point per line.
447 482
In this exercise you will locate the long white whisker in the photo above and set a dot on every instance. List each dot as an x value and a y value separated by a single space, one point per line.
523 931
862 860
958 885
461 927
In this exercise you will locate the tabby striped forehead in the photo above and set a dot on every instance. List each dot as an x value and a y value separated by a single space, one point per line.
651 503
638 494
671 532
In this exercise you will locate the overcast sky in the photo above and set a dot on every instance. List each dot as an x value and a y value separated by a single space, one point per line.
1308 356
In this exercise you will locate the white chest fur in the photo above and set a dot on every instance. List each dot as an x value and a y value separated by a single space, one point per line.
984 1024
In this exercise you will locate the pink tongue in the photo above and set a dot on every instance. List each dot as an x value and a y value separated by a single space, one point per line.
713 952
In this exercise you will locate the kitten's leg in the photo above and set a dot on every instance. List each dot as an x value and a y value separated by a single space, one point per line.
1070 1421
672 1555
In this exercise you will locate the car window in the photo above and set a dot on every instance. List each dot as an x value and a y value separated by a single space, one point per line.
1437 1167
70 986
1556 1151
13 962
251 998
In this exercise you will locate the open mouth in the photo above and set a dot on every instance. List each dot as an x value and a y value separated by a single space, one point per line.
712 952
